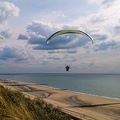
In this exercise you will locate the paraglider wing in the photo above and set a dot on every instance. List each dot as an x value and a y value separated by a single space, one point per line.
69 31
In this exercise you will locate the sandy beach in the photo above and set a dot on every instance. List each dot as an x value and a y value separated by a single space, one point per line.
79 105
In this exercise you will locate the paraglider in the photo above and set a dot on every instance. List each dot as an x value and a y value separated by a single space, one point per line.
61 32
67 68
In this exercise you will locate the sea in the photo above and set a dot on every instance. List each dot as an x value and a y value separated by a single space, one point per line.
106 85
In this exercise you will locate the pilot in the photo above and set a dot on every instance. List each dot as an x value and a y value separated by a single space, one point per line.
67 68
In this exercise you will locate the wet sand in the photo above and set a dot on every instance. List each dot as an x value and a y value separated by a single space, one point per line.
82 106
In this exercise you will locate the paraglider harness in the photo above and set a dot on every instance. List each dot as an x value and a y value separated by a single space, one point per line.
67 67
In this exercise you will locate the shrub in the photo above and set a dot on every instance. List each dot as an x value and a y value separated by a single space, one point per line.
15 106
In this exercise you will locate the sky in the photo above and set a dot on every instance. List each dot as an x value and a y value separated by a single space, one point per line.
25 26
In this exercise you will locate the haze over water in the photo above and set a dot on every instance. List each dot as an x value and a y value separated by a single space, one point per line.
107 85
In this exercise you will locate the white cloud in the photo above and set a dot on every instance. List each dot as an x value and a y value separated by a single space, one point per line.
7 10
38 32
104 21
105 3
7 33
107 45
17 54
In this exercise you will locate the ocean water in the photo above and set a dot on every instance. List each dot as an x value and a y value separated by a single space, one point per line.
107 85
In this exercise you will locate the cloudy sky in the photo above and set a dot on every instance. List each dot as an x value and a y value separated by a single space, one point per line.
26 24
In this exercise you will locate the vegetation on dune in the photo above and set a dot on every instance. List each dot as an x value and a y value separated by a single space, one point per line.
15 106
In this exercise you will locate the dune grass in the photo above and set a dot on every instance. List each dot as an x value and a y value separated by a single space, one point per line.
15 106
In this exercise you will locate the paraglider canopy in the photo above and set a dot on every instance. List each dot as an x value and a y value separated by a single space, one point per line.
67 32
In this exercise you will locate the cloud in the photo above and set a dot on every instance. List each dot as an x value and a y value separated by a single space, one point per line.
105 15
72 51
8 53
6 33
41 28
102 2
62 42
55 52
39 32
117 30
107 3
7 10
97 18
100 37
100 25
91 64
54 58
22 37
107 45
7 0
104 24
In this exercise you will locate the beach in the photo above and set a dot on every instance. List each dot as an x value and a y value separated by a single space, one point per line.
79 105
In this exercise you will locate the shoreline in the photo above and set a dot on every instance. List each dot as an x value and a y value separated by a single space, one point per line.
80 105
46 85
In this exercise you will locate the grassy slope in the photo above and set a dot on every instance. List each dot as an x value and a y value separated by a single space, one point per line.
15 106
